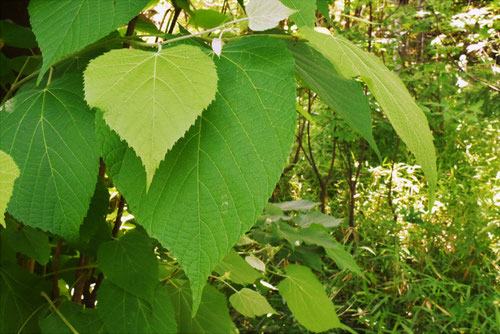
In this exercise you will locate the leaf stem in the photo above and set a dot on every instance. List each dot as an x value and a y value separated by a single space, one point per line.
63 318
226 283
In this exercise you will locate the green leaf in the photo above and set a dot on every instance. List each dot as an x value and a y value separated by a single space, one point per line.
405 116
344 96
29 241
123 312
343 258
214 183
62 27
305 12
151 98
85 321
50 134
250 303
209 18
19 298
306 298
130 263
305 220
17 36
323 8
299 204
266 14
240 272
213 313
9 172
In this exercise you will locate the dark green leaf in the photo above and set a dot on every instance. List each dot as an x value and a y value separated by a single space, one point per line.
65 26
213 313
29 241
17 36
50 134
130 263
85 321
123 312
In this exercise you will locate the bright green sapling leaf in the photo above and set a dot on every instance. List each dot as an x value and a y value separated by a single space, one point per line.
65 26
344 96
250 303
214 183
266 14
305 12
213 313
19 298
307 299
9 172
50 134
85 321
29 241
238 270
123 312
130 263
151 98
406 117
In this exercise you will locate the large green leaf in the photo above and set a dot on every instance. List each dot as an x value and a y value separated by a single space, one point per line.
305 14
130 263
344 96
85 321
151 98
65 26
50 134
123 312
19 298
306 298
9 172
250 303
406 117
17 36
213 313
237 269
215 181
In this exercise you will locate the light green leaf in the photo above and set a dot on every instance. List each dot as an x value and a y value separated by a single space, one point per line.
123 312
255 262
19 298
299 204
65 26
250 303
151 98
305 220
85 321
50 134
130 263
405 116
209 18
213 313
240 272
266 14
344 96
9 172
305 12
29 241
213 184
306 298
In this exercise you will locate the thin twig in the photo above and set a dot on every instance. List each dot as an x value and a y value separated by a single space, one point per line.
63 318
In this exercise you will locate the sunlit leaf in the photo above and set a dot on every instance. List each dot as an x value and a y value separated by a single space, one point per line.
266 14
151 98
8 174
250 303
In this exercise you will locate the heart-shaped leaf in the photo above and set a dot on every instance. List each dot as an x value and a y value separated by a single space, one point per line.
151 98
